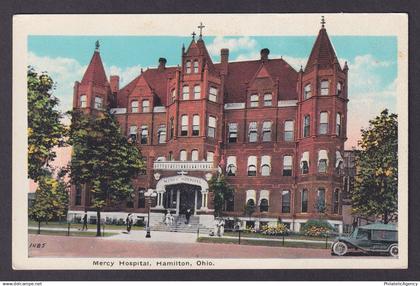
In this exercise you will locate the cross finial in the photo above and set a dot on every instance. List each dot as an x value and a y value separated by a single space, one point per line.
201 26
97 45
193 34
323 21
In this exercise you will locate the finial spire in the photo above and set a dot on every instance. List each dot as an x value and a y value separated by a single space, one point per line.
97 45
323 22
201 26
193 35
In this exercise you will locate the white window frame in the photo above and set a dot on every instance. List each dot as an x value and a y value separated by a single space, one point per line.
185 92
232 132
83 101
213 92
194 155
99 102
135 106
188 67
265 165
210 156
252 166
324 87
252 130
268 99
289 130
197 91
196 125
195 66
183 155
144 134
162 134
231 166
254 100
145 105
323 123
267 126
211 128
184 125
288 165
307 91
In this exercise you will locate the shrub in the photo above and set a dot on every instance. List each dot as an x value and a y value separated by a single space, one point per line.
317 228
279 229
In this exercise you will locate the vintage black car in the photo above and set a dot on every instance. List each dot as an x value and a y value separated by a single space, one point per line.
371 238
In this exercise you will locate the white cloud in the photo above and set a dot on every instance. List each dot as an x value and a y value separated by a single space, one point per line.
126 74
233 44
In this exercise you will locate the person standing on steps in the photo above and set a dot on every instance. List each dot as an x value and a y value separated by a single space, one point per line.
187 216
85 227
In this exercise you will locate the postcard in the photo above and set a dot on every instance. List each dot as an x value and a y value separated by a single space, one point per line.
210 141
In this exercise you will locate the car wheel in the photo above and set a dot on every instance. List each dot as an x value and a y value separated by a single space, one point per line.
393 250
340 248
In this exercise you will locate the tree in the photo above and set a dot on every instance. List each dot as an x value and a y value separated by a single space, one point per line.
51 200
376 184
45 131
222 193
103 161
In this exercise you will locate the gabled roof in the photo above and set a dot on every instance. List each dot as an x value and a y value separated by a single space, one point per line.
322 52
198 49
95 72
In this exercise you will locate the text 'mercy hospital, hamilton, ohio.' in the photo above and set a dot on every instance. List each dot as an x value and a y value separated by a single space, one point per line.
277 134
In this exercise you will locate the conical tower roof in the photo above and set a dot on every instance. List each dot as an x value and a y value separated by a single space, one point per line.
322 52
95 72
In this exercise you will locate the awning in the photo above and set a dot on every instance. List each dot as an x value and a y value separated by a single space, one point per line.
250 194
305 158
323 155
252 160
264 194
339 159
231 160
265 160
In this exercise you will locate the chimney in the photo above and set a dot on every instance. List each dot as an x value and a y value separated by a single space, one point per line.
224 60
162 63
114 82
264 54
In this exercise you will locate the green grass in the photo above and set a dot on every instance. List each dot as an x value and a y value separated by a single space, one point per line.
260 235
56 224
263 242
64 233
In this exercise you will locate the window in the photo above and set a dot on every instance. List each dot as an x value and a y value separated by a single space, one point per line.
83 101
289 130
304 201
183 155
173 95
252 132
339 87
285 202
266 131
197 92
254 100
134 106
98 102
304 163
195 66
252 166
194 155
184 125
322 161
320 200
210 156
230 204
231 166
144 134
264 205
188 67
141 204
323 123
268 99
306 125
335 201
162 134
170 156
196 125
233 132
287 165
307 93
265 165
171 123
133 133
145 106
78 201
213 94
185 92
338 124
325 87
211 130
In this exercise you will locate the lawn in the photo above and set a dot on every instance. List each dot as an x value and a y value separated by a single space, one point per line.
56 224
263 242
64 233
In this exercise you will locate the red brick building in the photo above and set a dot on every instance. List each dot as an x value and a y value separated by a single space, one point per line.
278 134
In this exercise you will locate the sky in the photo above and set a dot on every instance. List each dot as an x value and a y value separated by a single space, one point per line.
372 62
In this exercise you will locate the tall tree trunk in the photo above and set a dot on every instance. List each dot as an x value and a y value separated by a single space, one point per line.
386 219
39 227
98 222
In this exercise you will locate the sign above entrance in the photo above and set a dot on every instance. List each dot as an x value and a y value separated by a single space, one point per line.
182 179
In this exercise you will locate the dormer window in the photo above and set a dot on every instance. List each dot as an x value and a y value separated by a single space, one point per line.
134 106
213 94
254 100
83 101
145 106
268 99
325 87
197 92
188 67
195 66
98 102
307 92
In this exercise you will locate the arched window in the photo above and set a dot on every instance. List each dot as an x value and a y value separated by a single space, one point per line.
335 201
320 200
197 92
304 201
289 130
264 205
254 100
144 134
323 122
188 67
213 94
268 99
141 204
146 106
83 101
338 124
266 131
231 166
252 166
183 155
184 125
285 201
194 155
133 133
135 106
210 156
304 163
211 129
185 92
287 165
195 66
196 125
307 92
306 125
253 132
325 87
162 134
265 165
98 102
322 161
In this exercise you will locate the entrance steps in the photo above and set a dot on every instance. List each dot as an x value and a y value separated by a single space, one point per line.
179 225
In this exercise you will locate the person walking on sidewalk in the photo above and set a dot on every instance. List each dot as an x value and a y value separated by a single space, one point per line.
129 222
84 227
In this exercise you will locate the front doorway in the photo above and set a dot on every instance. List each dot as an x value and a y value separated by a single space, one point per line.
181 197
